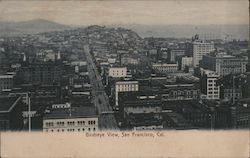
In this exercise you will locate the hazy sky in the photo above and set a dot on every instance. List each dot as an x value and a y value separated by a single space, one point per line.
196 12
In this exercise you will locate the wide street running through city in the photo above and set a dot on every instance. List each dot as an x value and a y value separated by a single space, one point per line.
100 99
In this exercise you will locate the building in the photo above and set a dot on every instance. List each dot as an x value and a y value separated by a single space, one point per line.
174 53
140 111
125 86
61 106
200 48
163 53
6 82
11 113
76 119
208 84
186 62
117 72
165 68
129 60
41 72
180 92
224 64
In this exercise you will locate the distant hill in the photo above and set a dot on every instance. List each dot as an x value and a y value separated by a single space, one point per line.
30 27
187 31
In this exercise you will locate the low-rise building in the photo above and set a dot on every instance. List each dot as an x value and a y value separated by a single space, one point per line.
75 119
11 113
117 72
165 68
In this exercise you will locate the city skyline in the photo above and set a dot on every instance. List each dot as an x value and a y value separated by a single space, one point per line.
224 12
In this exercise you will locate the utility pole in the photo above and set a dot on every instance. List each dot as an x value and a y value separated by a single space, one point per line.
233 90
29 112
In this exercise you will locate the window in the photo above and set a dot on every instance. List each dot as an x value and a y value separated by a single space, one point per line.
71 123
80 122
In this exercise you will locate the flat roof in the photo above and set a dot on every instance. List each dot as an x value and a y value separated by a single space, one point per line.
74 112
7 103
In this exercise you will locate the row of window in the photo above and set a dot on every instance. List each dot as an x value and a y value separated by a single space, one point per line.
69 130
215 92
69 123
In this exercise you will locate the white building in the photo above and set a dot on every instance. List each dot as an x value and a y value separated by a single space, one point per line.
117 72
186 61
125 86
165 68
201 48
6 82
225 64
208 84
61 106
77 119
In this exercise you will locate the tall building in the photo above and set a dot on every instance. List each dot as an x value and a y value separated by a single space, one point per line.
200 48
209 85
75 119
224 64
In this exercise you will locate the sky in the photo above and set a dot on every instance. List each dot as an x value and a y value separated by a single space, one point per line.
160 12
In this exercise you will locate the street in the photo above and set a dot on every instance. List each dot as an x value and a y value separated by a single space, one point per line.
100 99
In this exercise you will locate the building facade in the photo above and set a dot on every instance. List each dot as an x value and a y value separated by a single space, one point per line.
117 72
6 82
201 48
224 64
186 62
141 112
165 68
174 53
41 72
180 92
209 85
77 119
125 86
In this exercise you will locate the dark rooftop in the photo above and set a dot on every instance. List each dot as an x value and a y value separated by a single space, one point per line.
7 103
74 112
